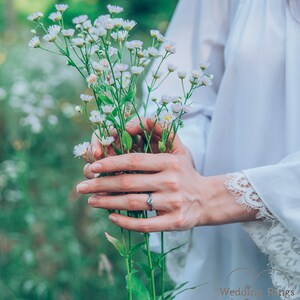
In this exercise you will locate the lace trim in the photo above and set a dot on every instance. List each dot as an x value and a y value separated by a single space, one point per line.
282 249
240 187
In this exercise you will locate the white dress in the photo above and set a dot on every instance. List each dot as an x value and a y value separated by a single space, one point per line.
249 120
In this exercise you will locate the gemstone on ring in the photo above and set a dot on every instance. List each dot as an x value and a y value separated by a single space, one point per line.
150 201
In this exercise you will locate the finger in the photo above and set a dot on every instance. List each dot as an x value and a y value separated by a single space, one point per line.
133 162
136 125
87 172
153 224
96 146
120 183
125 202
178 146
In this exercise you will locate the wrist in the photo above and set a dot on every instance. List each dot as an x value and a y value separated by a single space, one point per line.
220 205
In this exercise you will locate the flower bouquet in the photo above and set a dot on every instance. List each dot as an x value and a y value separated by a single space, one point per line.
111 64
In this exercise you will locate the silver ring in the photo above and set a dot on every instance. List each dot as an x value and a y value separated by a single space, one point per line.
150 201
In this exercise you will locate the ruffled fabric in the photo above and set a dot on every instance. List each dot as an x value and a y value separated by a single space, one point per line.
274 240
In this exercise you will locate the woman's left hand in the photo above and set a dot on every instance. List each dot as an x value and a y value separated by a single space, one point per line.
182 198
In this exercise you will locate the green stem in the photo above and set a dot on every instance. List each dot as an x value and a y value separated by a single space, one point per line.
150 263
162 266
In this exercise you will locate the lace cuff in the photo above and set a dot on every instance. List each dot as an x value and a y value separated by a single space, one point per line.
271 237
245 195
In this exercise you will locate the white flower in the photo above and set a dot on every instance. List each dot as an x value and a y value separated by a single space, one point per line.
154 33
96 117
101 20
92 39
104 64
206 81
137 44
86 98
119 35
61 7
94 49
129 45
55 16
156 74
79 109
170 47
197 74
135 70
35 16
114 9
78 42
128 25
112 51
34 42
87 25
153 52
106 141
181 74
107 109
80 19
166 118
92 79
96 66
54 29
81 149
177 108
117 22
171 67
99 31
109 24
33 31
50 37
165 99
121 67
203 66
68 33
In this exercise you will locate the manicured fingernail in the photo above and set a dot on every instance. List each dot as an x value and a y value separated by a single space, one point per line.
92 201
82 187
94 149
95 168
113 218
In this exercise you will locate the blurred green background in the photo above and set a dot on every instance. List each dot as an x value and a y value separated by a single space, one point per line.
52 244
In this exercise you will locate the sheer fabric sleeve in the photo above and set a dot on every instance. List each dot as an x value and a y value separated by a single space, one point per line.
275 192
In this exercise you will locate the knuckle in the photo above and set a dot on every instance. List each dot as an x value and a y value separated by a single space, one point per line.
125 182
172 182
174 162
177 203
145 228
134 203
134 161
179 222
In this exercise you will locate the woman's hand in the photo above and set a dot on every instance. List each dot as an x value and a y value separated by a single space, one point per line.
182 198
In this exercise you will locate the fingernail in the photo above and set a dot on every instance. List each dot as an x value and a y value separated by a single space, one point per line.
113 218
94 149
95 167
82 187
92 201
97 175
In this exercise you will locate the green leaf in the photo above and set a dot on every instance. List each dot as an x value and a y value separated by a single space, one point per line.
138 288
129 97
136 248
126 140
117 244
104 99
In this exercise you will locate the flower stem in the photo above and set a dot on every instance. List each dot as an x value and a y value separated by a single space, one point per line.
162 266
150 263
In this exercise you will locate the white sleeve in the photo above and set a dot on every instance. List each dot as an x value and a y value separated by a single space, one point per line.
275 191
199 28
